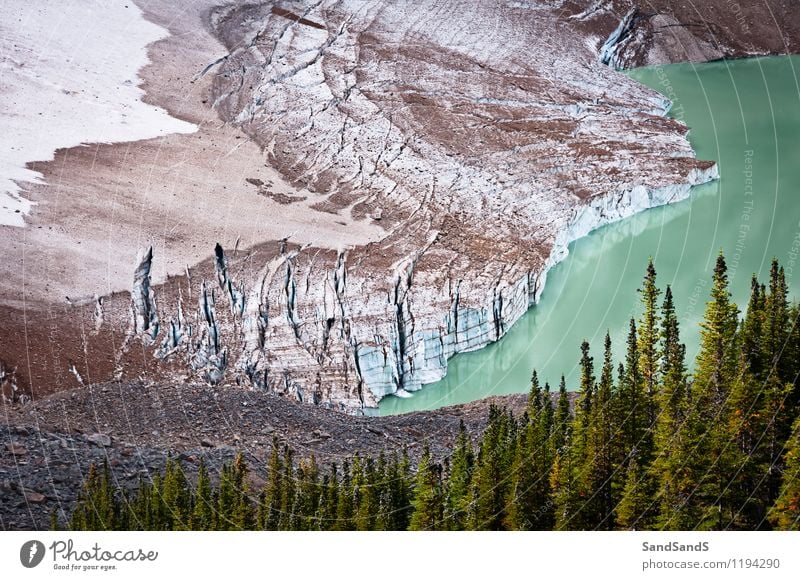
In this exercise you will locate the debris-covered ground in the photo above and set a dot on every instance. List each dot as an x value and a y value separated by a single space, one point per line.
47 446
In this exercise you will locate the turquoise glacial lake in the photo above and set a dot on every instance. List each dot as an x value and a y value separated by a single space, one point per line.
745 114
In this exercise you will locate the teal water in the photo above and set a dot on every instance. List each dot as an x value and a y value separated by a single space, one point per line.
744 114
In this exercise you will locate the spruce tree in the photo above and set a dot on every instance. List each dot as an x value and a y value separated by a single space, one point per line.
176 497
271 499
636 505
564 489
544 516
584 404
602 457
793 357
583 516
491 475
226 499
428 497
203 504
518 503
716 371
562 419
753 329
242 515
785 513
345 506
328 519
649 335
776 323
632 413
745 455
673 434
287 494
96 507
458 484
535 400
717 361
779 379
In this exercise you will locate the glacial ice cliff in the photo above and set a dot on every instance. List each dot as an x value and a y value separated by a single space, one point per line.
481 153
418 167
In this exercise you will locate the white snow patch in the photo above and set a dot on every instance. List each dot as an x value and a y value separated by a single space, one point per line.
68 75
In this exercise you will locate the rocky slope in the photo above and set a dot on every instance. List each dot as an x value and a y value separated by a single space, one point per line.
628 33
46 448
407 174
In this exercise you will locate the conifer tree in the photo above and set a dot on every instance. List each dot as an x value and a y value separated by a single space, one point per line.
776 323
491 476
564 489
287 494
345 507
716 371
203 505
563 419
529 505
636 509
779 380
271 499
717 361
744 455
793 358
631 403
458 485
328 520
602 457
96 508
176 497
428 497
636 505
155 505
674 431
785 513
242 516
584 491
402 483
535 395
369 505
547 418
544 516
584 404
649 334
226 499
141 507
753 329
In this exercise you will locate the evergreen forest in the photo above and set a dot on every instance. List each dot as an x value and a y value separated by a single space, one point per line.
643 445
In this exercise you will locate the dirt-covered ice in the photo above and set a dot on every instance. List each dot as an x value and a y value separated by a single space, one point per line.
388 182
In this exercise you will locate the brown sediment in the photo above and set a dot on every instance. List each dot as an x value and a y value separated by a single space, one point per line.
420 168
296 18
